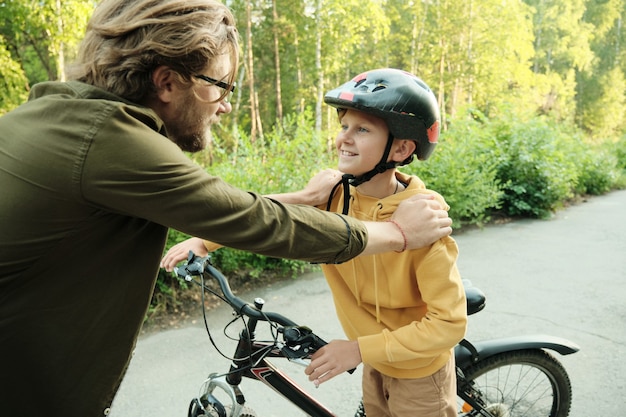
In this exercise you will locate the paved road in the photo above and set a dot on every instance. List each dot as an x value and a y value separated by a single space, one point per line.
565 276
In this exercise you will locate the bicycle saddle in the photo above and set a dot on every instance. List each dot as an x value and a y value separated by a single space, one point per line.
475 298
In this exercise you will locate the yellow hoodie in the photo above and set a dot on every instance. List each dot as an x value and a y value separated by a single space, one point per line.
407 310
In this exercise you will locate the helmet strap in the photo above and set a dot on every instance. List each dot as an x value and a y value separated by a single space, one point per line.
348 179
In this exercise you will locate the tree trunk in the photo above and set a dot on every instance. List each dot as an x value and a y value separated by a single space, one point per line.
470 57
254 109
279 96
301 101
60 53
318 67
442 84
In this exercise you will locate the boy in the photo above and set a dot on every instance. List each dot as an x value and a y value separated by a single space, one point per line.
403 312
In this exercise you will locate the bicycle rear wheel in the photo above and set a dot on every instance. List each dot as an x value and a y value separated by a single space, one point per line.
526 383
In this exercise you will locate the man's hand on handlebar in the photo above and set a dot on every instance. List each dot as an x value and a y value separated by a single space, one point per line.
336 357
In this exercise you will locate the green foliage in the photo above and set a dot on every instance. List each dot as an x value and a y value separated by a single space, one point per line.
13 83
43 35
597 173
463 170
618 151
527 167
478 53
536 169
604 113
282 161
249 266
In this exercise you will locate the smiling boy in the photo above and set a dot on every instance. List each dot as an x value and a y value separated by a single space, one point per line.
403 313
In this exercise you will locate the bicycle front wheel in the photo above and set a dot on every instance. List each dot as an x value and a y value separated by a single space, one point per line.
525 383
194 411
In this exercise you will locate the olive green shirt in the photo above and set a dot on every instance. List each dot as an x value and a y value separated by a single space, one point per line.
89 186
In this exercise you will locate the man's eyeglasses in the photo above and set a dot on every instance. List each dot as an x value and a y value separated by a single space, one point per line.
221 84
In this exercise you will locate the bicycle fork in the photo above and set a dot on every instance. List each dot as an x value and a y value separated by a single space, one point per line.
229 383
473 405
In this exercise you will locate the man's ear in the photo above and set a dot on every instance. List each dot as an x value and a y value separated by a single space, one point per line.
163 79
403 150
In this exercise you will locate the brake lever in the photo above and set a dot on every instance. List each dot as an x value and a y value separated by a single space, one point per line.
300 342
194 267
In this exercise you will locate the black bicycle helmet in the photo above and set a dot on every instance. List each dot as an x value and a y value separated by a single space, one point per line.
404 101
400 98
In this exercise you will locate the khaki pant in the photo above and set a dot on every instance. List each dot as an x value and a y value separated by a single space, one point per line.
431 396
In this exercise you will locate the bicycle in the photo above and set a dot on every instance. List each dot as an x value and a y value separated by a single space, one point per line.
509 377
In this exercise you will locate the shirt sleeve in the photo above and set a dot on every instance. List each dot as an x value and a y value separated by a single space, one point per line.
132 169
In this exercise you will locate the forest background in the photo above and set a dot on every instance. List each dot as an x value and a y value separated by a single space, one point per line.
532 96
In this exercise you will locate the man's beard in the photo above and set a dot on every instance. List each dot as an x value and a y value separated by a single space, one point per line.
190 131
191 142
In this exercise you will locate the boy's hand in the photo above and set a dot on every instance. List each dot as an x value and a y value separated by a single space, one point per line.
336 357
180 252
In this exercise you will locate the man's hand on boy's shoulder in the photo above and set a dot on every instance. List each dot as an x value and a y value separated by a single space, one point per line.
423 220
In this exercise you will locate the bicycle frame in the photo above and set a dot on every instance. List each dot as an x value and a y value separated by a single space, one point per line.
266 372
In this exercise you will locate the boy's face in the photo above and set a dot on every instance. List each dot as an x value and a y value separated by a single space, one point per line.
361 142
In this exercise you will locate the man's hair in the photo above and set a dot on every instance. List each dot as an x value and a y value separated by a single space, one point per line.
127 40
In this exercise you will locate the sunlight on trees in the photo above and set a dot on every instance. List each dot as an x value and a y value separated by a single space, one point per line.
562 59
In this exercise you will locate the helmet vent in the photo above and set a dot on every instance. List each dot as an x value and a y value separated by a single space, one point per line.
379 87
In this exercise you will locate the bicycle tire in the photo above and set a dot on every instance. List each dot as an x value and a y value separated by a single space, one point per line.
245 412
524 383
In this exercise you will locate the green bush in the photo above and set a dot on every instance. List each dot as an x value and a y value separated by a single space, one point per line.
463 169
246 266
597 171
618 150
536 169
13 82
284 160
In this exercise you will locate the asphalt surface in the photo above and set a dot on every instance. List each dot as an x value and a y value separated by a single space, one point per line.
565 277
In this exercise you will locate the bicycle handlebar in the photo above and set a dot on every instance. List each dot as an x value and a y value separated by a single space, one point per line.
196 265
300 340
293 334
